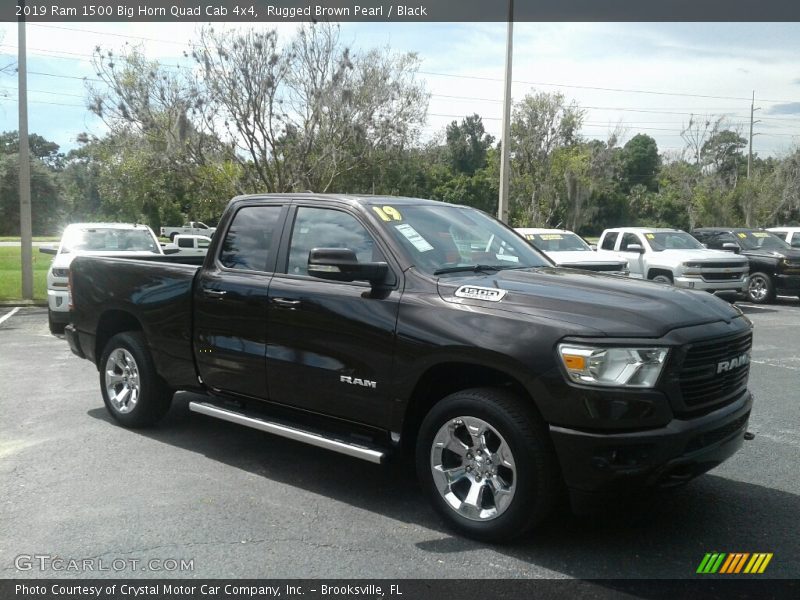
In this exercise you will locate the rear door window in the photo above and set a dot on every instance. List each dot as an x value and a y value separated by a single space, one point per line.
610 240
248 242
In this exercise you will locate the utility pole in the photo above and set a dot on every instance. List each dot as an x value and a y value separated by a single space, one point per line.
750 143
505 136
26 241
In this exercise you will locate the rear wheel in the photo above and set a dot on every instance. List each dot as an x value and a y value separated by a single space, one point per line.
172 237
485 460
133 392
760 289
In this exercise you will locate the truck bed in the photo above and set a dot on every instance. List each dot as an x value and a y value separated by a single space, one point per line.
160 301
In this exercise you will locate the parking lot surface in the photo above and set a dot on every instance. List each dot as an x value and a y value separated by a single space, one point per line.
241 503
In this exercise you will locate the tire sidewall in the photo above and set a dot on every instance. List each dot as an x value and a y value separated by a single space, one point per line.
527 504
153 400
661 278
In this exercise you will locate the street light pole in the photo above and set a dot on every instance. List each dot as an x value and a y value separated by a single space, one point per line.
505 136
750 143
26 240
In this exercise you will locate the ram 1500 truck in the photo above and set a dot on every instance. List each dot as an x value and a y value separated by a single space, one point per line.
374 325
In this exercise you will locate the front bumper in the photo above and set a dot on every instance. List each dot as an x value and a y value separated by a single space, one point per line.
722 287
58 302
605 464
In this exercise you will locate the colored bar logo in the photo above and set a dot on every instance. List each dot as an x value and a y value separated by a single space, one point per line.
734 563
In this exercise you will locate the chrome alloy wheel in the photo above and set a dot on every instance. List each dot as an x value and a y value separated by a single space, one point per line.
757 288
473 468
122 380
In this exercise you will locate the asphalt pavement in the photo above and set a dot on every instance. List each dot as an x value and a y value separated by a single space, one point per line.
241 503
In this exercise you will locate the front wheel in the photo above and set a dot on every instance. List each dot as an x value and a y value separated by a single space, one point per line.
133 392
55 327
485 460
760 289
662 278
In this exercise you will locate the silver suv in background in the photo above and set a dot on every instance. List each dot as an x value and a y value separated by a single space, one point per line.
99 239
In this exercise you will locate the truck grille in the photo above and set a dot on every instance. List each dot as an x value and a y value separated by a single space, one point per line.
722 276
602 268
723 265
701 381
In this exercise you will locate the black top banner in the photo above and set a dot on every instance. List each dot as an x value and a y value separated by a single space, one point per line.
389 11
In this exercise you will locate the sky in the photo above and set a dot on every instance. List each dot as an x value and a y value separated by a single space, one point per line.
645 77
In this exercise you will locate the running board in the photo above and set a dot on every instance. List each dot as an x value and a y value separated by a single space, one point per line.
293 433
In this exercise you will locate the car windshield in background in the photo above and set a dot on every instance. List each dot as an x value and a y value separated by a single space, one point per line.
110 240
443 239
672 240
760 240
558 242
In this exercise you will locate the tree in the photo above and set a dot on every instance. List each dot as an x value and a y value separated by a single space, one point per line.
722 151
468 144
306 115
540 124
640 162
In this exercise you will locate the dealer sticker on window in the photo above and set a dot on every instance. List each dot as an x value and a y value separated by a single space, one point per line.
475 292
413 236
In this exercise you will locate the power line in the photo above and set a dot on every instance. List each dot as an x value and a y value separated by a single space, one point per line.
64 76
44 102
45 92
603 89
120 35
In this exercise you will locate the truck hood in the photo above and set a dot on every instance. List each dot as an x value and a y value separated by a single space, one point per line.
676 257
791 254
580 257
596 304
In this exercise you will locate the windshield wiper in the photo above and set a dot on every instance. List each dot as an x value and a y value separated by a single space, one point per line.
476 268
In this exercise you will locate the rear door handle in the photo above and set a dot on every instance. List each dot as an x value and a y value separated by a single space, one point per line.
214 293
286 302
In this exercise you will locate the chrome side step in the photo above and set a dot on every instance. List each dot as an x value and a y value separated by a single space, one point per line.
293 433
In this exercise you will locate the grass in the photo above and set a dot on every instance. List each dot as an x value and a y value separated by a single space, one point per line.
11 274
36 238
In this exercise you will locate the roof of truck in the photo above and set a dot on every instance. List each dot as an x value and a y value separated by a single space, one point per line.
367 199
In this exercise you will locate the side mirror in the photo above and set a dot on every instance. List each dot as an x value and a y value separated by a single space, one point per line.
635 248
47 250
731 247
593 247
341 264
171 250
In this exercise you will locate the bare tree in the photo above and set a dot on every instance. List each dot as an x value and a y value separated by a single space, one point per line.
305 114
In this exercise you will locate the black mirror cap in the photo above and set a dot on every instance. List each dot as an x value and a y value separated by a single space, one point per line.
731 246
48 250
341 264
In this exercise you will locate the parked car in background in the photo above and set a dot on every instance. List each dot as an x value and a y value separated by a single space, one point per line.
99 239
791 235
190 228
675 257
774 264
188 245
568 249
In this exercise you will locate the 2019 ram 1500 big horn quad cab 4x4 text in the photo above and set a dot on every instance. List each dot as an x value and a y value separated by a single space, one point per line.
369 325
674 257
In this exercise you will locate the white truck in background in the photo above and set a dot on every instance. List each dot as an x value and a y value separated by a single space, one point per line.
190 228
188 245
674 257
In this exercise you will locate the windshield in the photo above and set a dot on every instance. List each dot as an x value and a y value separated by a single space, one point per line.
102 239
672 240
760 240
441 239
557 242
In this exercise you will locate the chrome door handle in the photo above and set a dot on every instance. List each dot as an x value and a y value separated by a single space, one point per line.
214 293
286 302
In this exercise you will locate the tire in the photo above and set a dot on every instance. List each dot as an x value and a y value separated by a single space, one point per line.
489 502
56 328
663 278
172 237
126 364
760 289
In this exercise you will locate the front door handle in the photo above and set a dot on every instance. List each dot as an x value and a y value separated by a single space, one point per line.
214 293
288 303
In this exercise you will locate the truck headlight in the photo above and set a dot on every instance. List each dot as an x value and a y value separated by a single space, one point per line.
691 269
613 367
